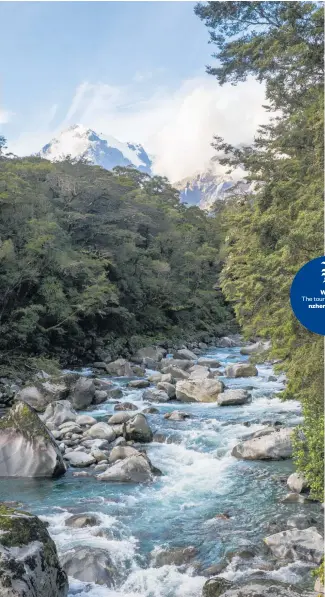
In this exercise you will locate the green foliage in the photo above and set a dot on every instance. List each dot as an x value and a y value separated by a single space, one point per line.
90 259
272 232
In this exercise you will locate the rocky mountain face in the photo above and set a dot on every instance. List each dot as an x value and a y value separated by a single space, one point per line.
82 143
204 188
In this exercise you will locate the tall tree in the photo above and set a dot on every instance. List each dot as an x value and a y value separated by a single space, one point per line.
278 227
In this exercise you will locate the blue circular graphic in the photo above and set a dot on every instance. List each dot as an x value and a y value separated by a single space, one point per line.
307 295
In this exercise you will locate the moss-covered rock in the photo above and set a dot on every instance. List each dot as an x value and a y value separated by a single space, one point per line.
29 565
27 448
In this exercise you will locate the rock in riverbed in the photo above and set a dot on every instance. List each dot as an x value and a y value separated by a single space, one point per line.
295 544
276 445
233 397
296 482
200 390
241 370
27 448
134 469
218 587
29 565
89 564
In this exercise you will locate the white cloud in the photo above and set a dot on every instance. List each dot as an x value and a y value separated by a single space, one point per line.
5 116
176 126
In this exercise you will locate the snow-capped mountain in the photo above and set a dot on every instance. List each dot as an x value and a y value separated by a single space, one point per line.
80 142
204 188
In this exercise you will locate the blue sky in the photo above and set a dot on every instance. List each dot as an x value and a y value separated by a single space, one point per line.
134 70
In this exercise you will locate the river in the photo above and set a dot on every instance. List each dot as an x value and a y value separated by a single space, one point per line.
200 481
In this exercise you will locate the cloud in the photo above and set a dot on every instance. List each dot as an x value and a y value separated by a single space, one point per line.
175 126
5 116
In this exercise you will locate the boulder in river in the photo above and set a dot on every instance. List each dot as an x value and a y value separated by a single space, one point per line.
241 370
158 395
233 397
133 469
138 430
29 565
119 418
175 372
59 412
297 544
176 415
255 588
175 556
184 354
82 393
206 362
122 452
276 445
183 364
206 390
225 342
79 459
101 431
79 521
90 564
121 368
156 353
167 387
200 372
296 482
138 384
100 396
125 406
27 448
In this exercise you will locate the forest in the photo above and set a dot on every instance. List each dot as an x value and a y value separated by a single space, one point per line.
95 262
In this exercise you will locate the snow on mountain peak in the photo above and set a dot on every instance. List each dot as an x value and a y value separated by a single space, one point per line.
79 141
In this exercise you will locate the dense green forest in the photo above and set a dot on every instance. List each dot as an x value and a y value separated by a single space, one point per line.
275 230
95 262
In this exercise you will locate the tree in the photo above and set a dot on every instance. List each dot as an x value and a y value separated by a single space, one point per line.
272 232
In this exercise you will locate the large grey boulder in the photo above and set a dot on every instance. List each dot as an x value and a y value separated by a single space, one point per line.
59 412
119 418
296 482
79 521
184 354
82 393
155 353
101 431
29 565
122 452
175 556
27 448
134 469
219 587
233 397
179 363
42 393
206 362
167 387
276 445
120 368
89 564
139 384
200 372
241 370
138 430
199 390
159 395
79 459
297 544
175 372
